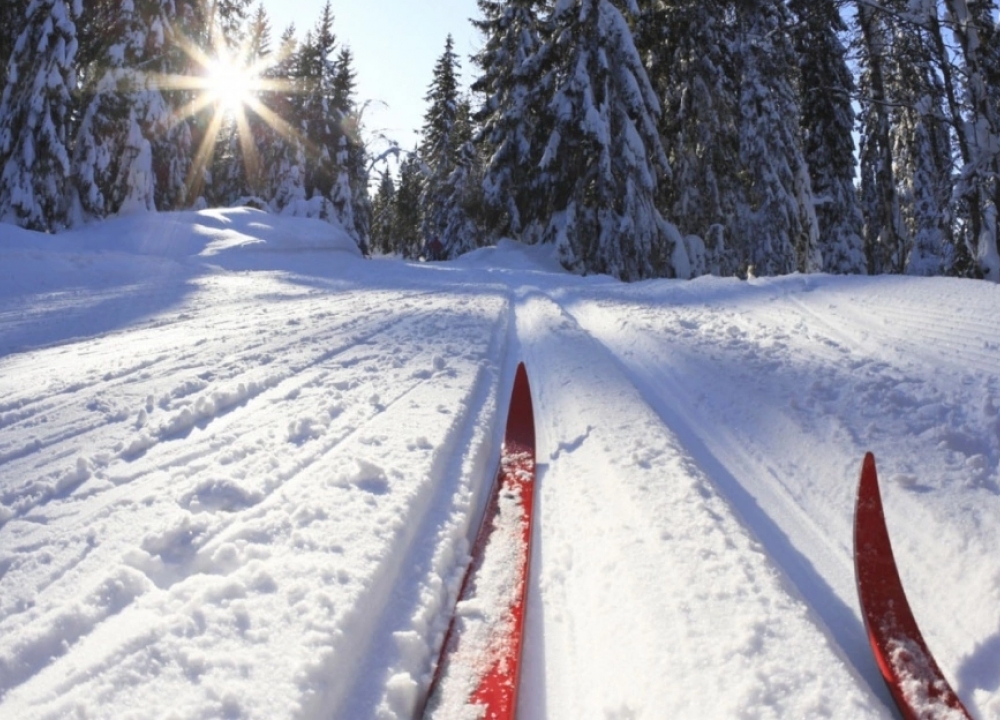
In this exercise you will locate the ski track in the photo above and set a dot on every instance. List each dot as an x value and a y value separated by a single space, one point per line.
603 483
234 455
266 511
943 393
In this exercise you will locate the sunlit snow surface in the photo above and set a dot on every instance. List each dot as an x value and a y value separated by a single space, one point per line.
241 466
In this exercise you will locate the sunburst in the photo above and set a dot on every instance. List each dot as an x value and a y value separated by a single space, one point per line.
226 81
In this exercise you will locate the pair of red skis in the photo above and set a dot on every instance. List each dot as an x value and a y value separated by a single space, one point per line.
914 680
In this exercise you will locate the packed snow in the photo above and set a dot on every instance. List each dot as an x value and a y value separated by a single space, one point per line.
241 467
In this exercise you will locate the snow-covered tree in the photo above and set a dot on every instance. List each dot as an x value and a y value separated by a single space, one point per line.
237 172
318 167
828 120
460 197
603 158
688 47
407 212
777 227
383 209
229 19
921 140
440 147
512 129
318 118
282 148
122 109
36 118
974 24
885 234
350 190
12 18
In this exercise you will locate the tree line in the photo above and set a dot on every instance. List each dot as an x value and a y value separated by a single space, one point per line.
649 138
641 138
105 108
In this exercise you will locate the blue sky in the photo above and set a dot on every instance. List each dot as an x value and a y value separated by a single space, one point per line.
395 45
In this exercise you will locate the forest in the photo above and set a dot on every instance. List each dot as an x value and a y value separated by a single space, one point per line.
641 138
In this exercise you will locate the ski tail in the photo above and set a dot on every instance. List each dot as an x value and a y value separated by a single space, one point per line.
913 678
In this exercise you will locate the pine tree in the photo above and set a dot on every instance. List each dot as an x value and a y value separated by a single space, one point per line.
460 199
173 134
259 59
920 140
258 43
885 234
776 225
512 128
36 118
228 21
122 158
828 121
688 46
283 153
350 191
319 119
383 209
975 29
13 14
439 149
407 213
603 157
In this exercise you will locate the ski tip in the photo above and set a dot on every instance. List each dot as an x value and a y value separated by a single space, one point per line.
868 490
521 416
868 467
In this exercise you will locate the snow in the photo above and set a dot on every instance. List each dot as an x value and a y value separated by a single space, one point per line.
241 468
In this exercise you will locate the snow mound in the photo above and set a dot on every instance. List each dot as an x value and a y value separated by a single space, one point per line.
512 255
208 233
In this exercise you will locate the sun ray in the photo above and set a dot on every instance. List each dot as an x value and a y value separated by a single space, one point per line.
196 176
227 83
251 158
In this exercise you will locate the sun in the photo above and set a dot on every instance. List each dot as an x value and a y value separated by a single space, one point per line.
232 88
229 85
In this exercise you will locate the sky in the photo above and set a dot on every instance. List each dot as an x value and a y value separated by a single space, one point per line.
395 45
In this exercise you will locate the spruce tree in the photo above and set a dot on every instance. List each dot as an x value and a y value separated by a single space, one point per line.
603 158
978 37
283 155
511 84
407 215
460 198
828 120
440 145
350 191
776 230
383 209
237 174
319 119
36 116
920 140
885 234
688 46
13 14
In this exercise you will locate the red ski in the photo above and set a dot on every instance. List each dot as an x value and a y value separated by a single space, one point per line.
907 666
481 656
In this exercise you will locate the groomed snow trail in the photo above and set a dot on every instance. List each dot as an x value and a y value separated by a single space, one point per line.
778 388
652 599
236 483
